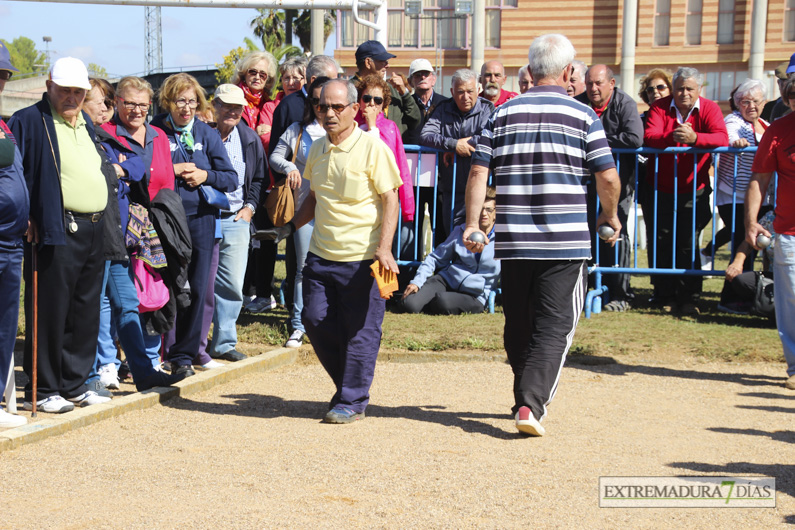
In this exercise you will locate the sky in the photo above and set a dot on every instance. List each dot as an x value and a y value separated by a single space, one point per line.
112 36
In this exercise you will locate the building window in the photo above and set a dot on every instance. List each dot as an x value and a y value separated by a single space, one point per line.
693 23
726 22
493 28
789 21
662 23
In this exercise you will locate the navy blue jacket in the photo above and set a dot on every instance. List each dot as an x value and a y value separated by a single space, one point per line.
254 157
288 111
31 126
14 200
209 154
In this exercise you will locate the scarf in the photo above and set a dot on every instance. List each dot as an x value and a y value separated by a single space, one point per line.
185 134
252 110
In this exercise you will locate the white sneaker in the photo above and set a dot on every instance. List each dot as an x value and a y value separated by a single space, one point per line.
295 340
210 365
9 421
53 404
527 423
89 398
109 376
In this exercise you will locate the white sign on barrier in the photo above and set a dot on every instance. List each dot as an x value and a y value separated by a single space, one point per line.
427 178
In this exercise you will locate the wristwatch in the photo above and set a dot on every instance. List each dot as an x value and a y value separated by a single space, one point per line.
250 207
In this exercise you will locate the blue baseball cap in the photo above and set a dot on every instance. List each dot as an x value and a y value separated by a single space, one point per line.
374 49
791 67
5 59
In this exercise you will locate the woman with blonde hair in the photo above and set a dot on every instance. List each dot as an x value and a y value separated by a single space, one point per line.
256 76
200 160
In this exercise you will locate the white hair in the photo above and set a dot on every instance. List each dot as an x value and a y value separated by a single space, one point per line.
523 70
549 55
685 72
748 86
464 75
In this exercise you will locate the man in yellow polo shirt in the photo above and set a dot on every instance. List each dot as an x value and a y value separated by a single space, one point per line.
68 195
354 201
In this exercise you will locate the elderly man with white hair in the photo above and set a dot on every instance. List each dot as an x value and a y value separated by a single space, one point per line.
542 147
68 196
683 119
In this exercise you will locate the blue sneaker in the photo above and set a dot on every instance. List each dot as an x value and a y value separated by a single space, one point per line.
340 414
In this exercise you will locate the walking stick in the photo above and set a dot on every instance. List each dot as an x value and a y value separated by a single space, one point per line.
35 256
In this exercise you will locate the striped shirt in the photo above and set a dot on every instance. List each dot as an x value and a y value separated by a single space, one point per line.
542 147
737 128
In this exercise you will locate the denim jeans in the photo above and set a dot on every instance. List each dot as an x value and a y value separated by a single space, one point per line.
106 348
232 260
301 239
10 283
784 295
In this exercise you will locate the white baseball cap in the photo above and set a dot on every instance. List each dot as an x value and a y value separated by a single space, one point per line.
231 94
70 72
420 65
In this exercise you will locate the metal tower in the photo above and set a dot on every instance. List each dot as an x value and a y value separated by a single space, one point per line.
153 52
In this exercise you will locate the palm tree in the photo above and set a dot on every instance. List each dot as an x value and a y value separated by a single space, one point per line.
303 27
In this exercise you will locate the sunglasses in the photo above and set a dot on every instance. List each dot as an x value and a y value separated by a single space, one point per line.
367 98
337 108
658 88
5 75
258 73
314 101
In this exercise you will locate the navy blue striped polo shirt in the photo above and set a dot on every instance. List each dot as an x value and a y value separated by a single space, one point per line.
542 147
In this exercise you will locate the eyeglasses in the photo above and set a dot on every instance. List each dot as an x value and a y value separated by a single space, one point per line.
5 75
130 106
489 210
749 102
367 98
658 88
314 101
337 108
290 79
258 73
182 103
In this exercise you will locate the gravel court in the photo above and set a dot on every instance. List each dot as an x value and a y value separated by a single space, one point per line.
438 449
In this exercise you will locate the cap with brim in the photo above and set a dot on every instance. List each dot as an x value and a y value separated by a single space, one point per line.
230 94
373 49
5 59
70 72
791 66
420 65
781 71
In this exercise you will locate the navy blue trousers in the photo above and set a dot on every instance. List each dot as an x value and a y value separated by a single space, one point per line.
186 336
10 282
343 312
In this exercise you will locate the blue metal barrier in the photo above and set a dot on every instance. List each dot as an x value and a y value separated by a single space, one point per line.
593 299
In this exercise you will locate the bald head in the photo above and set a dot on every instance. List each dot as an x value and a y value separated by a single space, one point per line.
599 84
492 77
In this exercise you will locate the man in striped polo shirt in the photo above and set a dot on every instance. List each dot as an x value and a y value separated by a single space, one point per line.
542 147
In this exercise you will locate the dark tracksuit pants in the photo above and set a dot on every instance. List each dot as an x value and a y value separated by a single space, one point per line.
70 287
10 281
542 300
343 312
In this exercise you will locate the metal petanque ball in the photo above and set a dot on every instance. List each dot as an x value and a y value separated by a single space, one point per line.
762 241
477 237
606 232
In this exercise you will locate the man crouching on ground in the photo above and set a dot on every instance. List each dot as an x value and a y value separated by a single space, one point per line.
354 201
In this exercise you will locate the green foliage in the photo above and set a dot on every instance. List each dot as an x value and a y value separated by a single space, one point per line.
303 27
226 69
25 56
95 70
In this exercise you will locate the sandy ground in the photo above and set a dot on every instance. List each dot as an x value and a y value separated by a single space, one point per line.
437 450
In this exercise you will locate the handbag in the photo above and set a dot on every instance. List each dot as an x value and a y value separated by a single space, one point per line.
149 286
213 197
280 203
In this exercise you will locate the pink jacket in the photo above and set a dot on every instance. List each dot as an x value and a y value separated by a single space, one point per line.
390 134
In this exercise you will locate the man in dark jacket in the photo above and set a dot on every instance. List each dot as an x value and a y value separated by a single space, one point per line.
623 129
248 158
372 58
13 224
455 127
68 194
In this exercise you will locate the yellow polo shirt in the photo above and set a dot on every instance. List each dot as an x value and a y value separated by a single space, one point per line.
348 180
83 185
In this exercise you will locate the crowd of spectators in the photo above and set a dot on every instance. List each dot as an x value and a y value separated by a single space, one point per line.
111 209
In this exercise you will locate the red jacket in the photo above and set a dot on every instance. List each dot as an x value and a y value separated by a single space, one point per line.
707 122
161 173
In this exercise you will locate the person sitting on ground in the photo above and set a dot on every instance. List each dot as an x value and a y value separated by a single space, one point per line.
464 279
